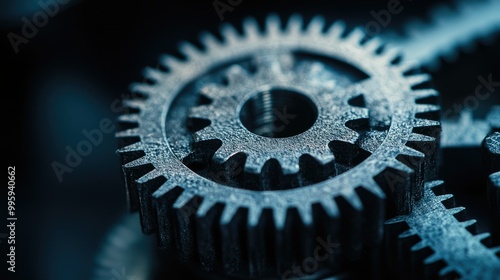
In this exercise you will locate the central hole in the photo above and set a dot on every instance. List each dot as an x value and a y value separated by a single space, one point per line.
278 113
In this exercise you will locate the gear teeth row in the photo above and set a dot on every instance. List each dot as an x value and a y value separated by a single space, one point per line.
430 236
449 31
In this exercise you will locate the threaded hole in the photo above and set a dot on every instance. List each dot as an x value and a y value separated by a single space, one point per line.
278 113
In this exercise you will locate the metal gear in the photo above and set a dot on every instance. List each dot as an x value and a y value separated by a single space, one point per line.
435 241
447 31
254 232
492 146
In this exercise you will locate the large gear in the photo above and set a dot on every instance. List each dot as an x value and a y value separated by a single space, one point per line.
434 241
251 231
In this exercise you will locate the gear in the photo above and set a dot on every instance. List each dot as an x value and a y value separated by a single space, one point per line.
448 31
492 147
436 243
383 142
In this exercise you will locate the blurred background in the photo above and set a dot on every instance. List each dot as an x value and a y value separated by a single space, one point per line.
77 66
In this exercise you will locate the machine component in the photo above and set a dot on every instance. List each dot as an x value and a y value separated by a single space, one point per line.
492 147
436 241
213 190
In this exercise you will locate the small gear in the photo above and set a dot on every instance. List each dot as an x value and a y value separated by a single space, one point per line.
492 147
436 241
383 142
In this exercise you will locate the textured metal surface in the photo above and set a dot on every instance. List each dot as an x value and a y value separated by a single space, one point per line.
434 241
492 147
263 228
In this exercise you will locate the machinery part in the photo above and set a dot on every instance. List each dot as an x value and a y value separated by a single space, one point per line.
435 240
465 132
251 232
448 30
125 254
492 147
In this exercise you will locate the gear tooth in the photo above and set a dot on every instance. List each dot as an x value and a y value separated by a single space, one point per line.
434 184
425 123
212 91
134 103
432 259
166 188
236 74
251 28
357 113
273 25
189 50
396 164
444 197
205 134
373 44
482 236
446 270
133 132
228 214
424 93
331 208
336 29
229 33
151 175
142 88
289 167
396 220
389 55
183 199
222 154
374 188
153 74
209 41
138 162
325 157
469 224
496 250
279 217
349 136
254 164
201 112
355 202
135 147
415 137
356 36
407 151
170 62
418 79
316 25
419 245
305 214
424 108
408 65
295 24
205 206
407 233
129 118
456 210
254 214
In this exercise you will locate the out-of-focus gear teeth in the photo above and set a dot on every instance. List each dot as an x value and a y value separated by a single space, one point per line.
418 79
170 62
153 74
374 44
356 36
251 29
337 29
316 25
229 33
423 238
190 50
425 93
389 55
236 73
491 146
209 41
142 88
273 25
